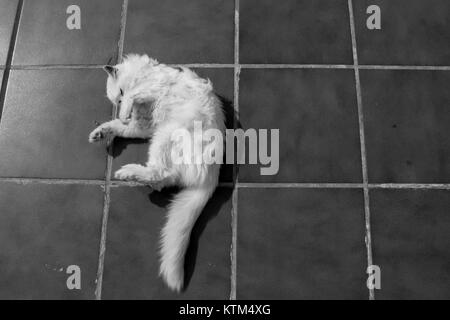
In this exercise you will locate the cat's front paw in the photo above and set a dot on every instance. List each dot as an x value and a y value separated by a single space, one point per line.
100 134
97 135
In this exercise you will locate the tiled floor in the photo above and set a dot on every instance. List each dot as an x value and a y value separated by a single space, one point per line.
295 32
176 31
407 116
306 250
44 121
415 258
364 150
43 230
43 37
413 33
315 111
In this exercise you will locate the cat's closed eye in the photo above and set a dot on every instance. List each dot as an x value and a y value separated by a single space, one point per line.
119 101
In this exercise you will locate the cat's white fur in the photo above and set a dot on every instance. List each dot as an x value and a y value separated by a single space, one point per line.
153 100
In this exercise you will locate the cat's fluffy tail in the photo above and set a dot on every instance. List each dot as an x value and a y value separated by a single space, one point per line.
183 212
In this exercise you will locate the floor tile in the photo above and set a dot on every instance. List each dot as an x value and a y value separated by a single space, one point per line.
301 244
46 121
406 124
305 31
413 32
8 10
135 150
43 25
172 31
44 229
411 242
316 113
131 267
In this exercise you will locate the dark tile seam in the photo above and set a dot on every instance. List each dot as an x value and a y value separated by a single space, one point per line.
405 67
102 251
258 185
234 199
9 57
368 236
243 66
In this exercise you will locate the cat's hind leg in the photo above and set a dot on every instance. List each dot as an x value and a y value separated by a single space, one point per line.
157 179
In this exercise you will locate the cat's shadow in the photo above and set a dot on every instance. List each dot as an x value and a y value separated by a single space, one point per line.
212 209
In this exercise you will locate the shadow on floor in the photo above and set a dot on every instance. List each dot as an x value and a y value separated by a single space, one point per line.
212 208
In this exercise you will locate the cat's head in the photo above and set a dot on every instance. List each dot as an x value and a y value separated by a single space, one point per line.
121 80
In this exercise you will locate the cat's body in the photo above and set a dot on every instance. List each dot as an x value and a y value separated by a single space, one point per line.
154 100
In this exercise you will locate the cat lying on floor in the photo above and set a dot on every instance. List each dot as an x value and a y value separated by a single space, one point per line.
154 100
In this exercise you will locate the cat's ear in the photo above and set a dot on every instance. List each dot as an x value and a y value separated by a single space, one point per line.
112 71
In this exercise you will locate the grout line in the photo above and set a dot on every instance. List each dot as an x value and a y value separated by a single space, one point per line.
123 24
233 251
412 186
101 256
430 186
256 185
368 237
396 67
203 65
121 183
99 66
234 199
296 66
101 259
52 181
57 66
194 65
9 57
301 185
242 66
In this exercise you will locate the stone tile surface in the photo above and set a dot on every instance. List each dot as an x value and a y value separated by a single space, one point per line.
413 32
317 117
172 31
44 36
295 31
411 243
46 120
44 229
406 122
301 244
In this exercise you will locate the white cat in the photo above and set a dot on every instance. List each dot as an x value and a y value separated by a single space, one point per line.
153 100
